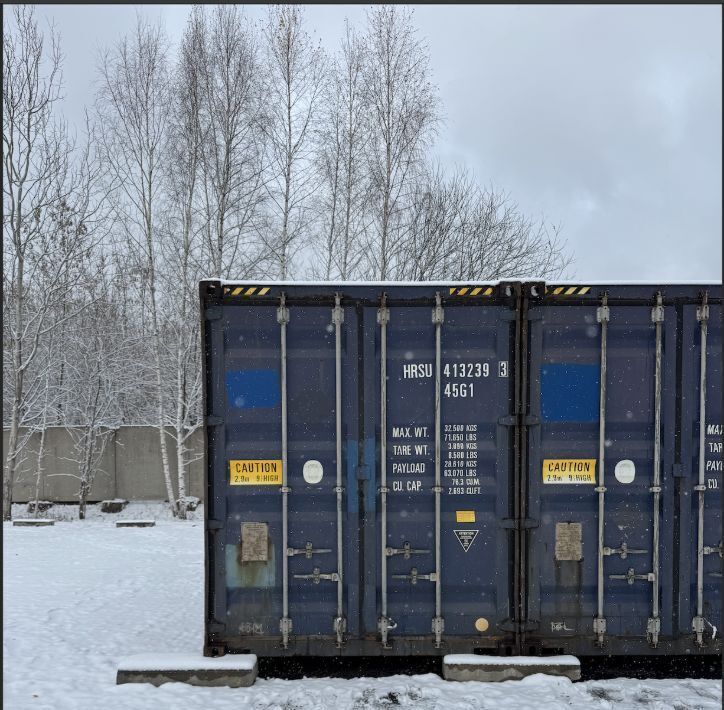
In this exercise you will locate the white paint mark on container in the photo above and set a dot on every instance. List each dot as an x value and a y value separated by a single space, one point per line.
625 471
312 471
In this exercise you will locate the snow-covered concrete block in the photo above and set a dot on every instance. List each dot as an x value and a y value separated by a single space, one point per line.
42 506
234 670
498 668
113 506
135 523
33 522
190 502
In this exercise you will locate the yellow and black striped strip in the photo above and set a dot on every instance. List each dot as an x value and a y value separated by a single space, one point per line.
567 290
472 291
246 290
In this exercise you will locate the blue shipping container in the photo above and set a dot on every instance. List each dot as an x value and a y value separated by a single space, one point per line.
434 468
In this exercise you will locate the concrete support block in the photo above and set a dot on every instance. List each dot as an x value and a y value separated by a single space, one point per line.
113 506
498 668
43 505
135 523
234 670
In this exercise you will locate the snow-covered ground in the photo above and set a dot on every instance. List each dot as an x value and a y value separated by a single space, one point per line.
79 596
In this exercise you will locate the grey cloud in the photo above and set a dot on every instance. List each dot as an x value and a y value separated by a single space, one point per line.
607 119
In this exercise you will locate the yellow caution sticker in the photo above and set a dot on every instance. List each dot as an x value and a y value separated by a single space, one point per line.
464 516
569 471
254 472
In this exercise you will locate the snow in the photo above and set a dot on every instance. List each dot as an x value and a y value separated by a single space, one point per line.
472 282
467 659
81 596
186 662
135 510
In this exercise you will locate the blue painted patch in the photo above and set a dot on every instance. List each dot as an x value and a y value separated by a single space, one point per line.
248 389
569 392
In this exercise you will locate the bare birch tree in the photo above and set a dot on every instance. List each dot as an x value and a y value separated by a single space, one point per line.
50 212
344 132
133 106
293 90
98 368
459 231
220 55
182 252
405 118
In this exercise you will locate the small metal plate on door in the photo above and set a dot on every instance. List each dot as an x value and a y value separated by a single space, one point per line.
569 541
254 542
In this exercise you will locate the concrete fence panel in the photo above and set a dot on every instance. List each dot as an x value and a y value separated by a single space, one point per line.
130 466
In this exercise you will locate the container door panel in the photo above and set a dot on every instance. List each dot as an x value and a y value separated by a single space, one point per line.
254 575
707 602
475 396
563 473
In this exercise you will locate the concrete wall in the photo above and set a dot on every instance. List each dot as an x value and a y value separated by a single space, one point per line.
130 467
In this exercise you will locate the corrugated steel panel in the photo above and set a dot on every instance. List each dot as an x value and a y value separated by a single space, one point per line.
490 526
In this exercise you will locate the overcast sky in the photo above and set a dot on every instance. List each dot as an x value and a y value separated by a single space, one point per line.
605 119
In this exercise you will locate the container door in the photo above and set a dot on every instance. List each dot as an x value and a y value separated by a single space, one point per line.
286 402
701 476
443 398
600 552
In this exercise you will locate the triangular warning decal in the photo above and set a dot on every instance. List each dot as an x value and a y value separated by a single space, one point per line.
466 537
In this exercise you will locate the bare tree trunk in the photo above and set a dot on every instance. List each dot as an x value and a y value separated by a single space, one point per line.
85 472
180 440
293 87
161 422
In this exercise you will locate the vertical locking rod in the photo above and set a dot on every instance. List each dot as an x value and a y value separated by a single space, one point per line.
384 624
702 314
338 319
285 624
654 623
438 624
599 623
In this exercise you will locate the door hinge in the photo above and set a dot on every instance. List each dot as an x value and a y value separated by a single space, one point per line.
213 313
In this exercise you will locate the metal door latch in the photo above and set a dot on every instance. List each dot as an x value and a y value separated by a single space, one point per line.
405 551
414 576
316 577
307 551
624 551
631 576
711 550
